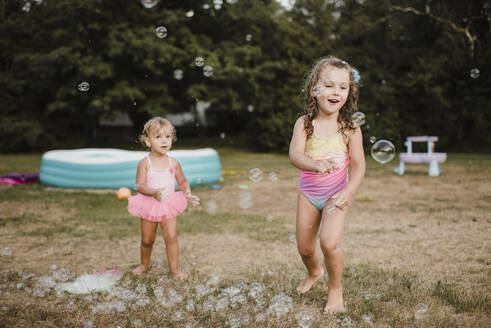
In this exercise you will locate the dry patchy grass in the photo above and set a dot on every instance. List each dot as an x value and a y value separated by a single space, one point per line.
408 239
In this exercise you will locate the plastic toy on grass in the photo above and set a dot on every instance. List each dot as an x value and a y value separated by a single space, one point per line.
123 193
19 178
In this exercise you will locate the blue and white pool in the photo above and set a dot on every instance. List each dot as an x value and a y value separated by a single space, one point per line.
109 168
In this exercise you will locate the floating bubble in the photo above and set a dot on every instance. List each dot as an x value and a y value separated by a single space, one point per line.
217 4
211 207
317 90
248 37
53 267
292 237
199 61
149 3
161 32
269 218
273 176
222 135
190 14
475 73
383 151
255 175
373 139
178 74
421 311
206 6
207 71
250 108
6 251
358 118
84 86
245 199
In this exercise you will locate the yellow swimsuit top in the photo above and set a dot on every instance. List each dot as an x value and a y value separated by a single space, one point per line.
320 147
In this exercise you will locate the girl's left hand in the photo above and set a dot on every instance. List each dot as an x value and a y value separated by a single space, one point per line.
342 199
194 200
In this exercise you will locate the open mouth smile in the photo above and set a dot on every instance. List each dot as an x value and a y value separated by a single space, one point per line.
333 101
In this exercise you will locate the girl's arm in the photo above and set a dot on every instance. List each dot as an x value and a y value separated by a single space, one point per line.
183 183
357 169
141 177
297 152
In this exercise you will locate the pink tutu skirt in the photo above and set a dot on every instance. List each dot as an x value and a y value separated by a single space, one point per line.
150 209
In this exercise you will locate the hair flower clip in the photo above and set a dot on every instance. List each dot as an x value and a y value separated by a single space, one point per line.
356 76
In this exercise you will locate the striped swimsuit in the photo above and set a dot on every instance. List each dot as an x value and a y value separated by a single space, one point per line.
319 187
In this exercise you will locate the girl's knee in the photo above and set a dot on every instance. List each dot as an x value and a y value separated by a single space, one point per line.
306 251
170 238
330 247
148 242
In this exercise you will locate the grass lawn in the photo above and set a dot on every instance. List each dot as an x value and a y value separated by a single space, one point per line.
408 240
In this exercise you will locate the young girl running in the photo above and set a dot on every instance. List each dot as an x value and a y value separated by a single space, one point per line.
324 143
156 201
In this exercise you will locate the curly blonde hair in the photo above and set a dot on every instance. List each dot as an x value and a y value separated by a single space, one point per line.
311 108
155 124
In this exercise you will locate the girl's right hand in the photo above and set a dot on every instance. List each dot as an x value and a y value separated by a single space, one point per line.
157 194
325 166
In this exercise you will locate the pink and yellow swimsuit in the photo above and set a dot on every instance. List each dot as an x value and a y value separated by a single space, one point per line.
319 187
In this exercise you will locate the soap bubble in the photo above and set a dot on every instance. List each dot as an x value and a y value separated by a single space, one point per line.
199 61
211 207
269 218
255 175
84 86
190 14
245 199
207 71
248 37
149 3
292 237
222 135
383 151
475 73
178 74
6 251
161 32
373 139
358 118
273 176
250 108
316 90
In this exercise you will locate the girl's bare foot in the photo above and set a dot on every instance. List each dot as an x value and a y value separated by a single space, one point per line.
180 275
335 302
309 281
139 269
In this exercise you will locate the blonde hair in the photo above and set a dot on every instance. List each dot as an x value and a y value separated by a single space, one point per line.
311 108
155 124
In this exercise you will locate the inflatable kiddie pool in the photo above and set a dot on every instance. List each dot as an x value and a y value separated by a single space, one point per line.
116 168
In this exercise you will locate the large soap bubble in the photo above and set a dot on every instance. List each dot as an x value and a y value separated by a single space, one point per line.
149 3
383 151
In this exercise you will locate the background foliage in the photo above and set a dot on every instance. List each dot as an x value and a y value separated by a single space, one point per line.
414 57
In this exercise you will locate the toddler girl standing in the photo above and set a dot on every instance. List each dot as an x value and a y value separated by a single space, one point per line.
324 143
156 201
